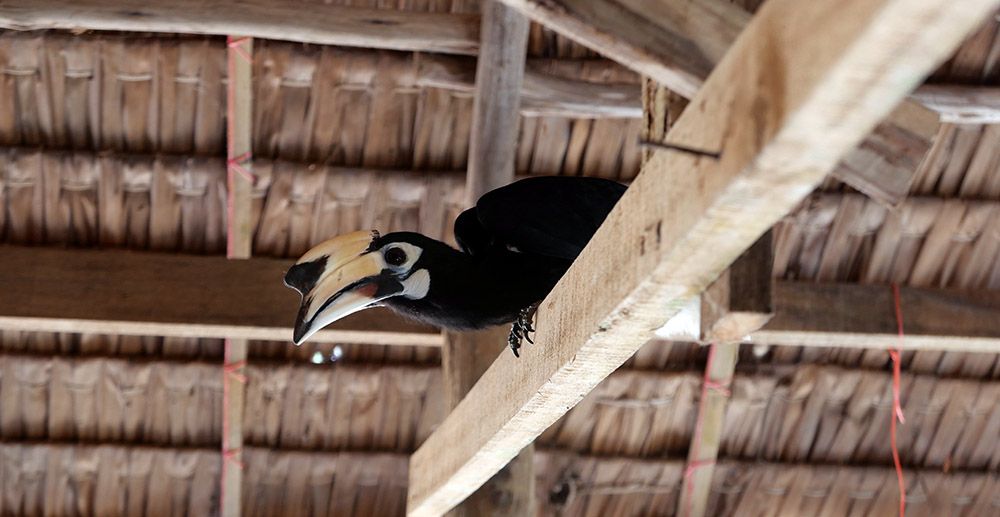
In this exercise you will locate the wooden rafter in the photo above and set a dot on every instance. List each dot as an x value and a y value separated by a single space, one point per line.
279 20
677 43
783 106
542 94
158 294
961 104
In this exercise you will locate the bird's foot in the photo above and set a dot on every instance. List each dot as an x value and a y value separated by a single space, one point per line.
521 328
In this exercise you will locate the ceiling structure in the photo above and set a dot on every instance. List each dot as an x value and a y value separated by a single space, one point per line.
117 141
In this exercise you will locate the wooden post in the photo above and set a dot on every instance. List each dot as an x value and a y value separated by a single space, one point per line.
736 304
239 245
495 122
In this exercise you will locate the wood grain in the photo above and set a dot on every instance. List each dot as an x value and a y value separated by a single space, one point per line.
495 124
638 33
961 104
151 294
685 218
675 43
495 116
863 316
279 20
542 93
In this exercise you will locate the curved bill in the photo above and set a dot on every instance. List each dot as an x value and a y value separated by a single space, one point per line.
337 278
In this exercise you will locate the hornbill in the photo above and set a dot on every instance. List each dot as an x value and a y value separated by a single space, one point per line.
515 245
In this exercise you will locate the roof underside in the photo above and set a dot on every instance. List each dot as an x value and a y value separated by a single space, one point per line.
118 141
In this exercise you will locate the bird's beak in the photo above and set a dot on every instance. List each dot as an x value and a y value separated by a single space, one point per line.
337 278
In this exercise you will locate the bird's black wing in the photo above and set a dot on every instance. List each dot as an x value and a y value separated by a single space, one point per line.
553 216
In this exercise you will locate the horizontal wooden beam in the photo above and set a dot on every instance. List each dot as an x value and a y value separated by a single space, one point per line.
159 294
678 42
863 316
286 20
782 107
542 94
961 104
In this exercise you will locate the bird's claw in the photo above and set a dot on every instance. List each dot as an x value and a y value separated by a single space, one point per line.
520 330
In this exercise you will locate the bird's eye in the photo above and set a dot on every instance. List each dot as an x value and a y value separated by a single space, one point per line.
395 256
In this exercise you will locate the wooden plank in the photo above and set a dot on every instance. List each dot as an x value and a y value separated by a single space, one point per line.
862 316
154 294
464 358
542 94
285 20
740 300
638 33
686 218
495 124
961 104
675 43
736 304
884 165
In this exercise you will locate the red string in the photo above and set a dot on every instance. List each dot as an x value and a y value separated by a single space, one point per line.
236 45
232 455
693 465
896 405
236 165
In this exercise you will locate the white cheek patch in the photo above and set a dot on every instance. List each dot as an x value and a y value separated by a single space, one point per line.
417 285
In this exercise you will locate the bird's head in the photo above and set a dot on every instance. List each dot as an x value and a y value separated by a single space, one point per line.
352 272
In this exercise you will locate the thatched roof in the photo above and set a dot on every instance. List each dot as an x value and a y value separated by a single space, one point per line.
117 141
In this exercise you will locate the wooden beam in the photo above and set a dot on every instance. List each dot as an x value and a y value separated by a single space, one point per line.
961 104
649 35
495 120
884 165
464 358
158 294
286 20
675 43
740 300
495 124
736 304
862 316
686 218
542 94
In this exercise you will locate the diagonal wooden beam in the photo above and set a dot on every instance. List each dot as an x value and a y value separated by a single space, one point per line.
678 42
784 105
160 294
266 19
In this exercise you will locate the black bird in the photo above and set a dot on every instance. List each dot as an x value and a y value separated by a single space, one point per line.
517 242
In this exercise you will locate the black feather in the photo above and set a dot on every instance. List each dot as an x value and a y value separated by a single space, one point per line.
553 216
